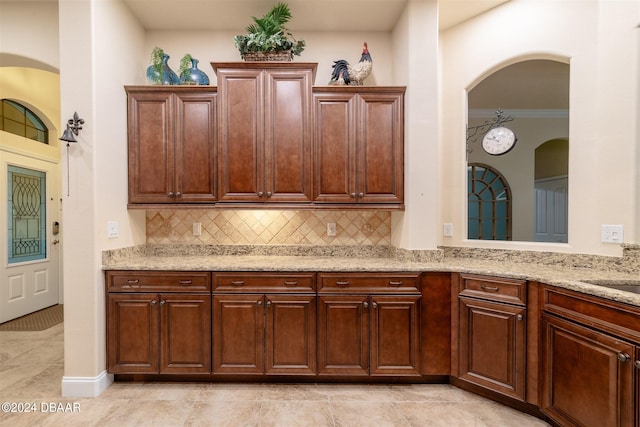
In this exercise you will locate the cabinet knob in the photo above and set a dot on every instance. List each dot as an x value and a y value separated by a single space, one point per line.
153 302
268 303
374 304
170 194
353 195
365 304
624 357
260 194
637 364
519 317
361 195
269 194
259 302
163 302
178 194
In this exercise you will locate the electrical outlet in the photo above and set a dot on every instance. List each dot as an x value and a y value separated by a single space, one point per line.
331 229
612 233
447 229
112 229
197 229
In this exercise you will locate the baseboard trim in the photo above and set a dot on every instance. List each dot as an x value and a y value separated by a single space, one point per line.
86 386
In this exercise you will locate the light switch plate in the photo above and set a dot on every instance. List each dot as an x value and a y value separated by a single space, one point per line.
612 233
112 229
331 229
447 229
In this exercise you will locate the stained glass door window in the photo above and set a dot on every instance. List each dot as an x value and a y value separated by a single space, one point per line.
27 214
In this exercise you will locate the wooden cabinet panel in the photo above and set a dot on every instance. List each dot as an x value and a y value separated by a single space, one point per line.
290 336
185 332
265 133
195 148
492 350
132 333
151 132
380 148
343 335
583 380
359 145
288 136
238 334
334 147
171 144
241 135
395 335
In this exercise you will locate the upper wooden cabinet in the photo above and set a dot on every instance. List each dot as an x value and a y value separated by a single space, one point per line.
172 149
359 145
265 131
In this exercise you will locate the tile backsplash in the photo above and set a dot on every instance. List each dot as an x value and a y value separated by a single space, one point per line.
268 227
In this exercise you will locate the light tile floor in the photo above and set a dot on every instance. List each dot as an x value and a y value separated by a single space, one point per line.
31 369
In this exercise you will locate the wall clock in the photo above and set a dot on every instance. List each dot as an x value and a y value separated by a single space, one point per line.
499 140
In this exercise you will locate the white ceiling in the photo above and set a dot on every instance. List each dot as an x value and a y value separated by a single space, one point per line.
308 15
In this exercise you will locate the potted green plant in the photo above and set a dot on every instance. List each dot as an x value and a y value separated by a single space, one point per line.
268 39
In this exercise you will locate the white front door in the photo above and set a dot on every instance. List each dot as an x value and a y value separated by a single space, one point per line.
30 251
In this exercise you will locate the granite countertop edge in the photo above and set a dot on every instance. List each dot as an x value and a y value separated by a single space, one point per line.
563 276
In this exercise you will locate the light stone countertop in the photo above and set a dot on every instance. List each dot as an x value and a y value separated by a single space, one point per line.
561 272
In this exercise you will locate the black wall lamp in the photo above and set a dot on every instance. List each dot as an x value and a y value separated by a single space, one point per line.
73 127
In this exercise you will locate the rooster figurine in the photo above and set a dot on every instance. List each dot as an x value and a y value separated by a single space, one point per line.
345 74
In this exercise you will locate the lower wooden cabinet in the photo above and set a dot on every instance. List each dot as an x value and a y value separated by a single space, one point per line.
272 334
365 334
492 333
590 361
264 323
492 346
158 333
588 376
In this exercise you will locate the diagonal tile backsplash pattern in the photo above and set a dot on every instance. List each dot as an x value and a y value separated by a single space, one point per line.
268 227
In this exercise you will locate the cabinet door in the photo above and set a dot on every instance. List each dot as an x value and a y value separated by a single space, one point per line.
238 334
287 136
380 148
334 148
241 135
343 335
132 333
185 334
290 336
395 335
492 346
195 149
151 138
584 382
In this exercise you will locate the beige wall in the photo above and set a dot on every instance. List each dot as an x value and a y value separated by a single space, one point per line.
599 39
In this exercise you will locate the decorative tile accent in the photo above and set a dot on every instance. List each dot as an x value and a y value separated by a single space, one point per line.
268 227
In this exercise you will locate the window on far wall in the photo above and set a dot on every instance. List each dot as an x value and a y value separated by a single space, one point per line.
17 119
489 203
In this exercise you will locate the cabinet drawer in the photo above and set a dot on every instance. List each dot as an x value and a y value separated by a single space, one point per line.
494 288
264 282
161 281
394 283
610 316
